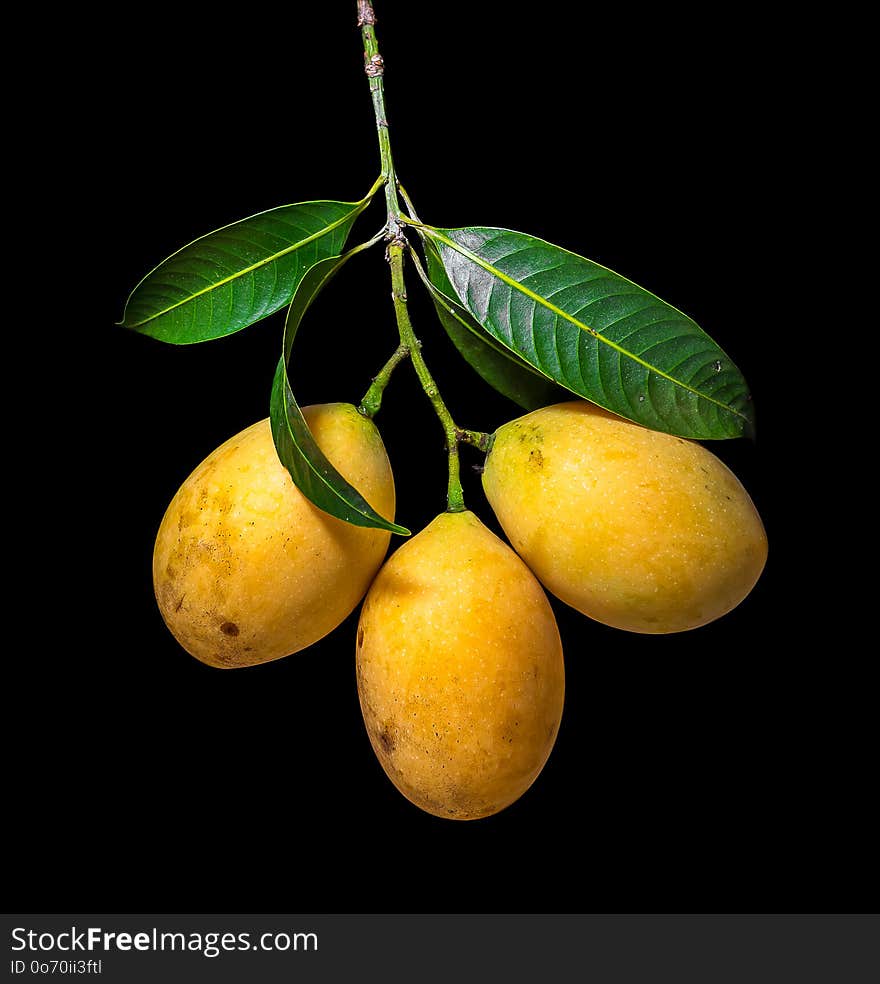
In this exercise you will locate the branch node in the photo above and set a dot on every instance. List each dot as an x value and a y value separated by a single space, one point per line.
375 67
394 237
365 13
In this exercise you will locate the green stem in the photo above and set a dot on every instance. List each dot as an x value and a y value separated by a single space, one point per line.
375 69
372 401
397 246
454 495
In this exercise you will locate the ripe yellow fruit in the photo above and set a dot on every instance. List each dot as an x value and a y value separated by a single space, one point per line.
637 529
460 672
245 568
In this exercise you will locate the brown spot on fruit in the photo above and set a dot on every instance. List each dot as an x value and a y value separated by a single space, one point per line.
386 739
536 458
637 493
223 532
360 638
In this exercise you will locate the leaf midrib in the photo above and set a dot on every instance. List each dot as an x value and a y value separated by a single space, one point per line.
250 269
449 306
515 284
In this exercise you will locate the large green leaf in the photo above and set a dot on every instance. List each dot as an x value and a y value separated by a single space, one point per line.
239 274
309 467
496 364
595 332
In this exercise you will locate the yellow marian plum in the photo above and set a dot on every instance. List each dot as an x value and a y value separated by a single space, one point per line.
637 529
459 669
245 568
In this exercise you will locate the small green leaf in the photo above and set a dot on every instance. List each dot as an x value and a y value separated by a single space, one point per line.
311 471
239 274
596 333
496 364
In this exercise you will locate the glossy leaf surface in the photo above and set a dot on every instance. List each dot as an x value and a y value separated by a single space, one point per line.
495 363
239 274
595 332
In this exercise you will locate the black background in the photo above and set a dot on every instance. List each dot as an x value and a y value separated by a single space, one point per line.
717 770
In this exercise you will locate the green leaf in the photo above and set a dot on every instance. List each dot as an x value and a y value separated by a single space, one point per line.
497 365
239 274
309 467
596 333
